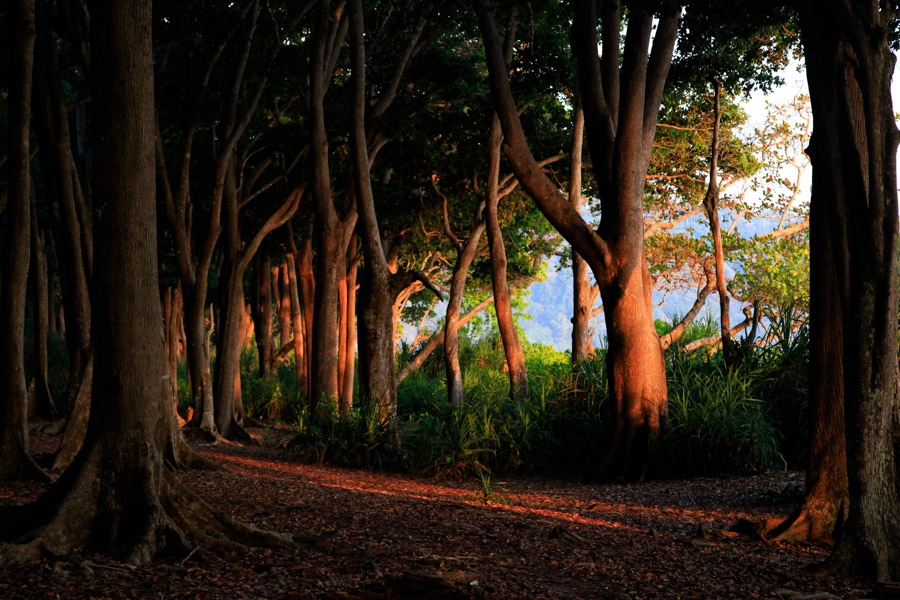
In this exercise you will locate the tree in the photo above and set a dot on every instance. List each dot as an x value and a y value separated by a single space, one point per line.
620 104
855 221
118 497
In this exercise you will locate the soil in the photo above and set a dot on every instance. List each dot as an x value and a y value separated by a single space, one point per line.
379 535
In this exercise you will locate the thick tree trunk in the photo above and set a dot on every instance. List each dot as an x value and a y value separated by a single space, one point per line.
117 497
853 152
15 462
328 227
824 509
198 364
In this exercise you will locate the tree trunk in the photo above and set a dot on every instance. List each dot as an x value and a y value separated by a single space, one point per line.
69 222
824 509
853 151
711 204
262 312
348 351
307 280
512 347
283 290
582 298
15 462
436 340
43 400
464 257
117 497
296 324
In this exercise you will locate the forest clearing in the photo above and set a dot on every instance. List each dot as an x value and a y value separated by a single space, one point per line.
374 535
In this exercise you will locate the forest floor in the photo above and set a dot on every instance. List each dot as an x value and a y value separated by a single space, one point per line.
383 535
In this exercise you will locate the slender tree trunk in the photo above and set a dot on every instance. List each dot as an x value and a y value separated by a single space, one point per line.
284 304
43 400
436 340
583 300
296 324
69 215
512 347
262 312
711 204
853 151
349 352
15 462
307 280
464 257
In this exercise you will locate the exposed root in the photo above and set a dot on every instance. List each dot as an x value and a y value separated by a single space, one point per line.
814 521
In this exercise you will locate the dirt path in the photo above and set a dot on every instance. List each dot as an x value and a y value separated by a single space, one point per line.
376 535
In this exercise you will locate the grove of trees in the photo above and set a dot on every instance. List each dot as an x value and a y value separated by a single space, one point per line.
188 187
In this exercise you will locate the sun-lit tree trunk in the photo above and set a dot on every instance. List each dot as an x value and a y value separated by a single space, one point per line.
512 347
853 151
621 100
15 462
348 340
711 204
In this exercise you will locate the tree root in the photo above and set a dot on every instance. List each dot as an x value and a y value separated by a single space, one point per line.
153 516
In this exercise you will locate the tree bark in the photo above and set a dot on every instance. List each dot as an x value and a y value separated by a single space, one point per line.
15 462
348 352
823 512
621 102
853 152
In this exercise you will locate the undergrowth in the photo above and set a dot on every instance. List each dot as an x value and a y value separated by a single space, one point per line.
745 420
